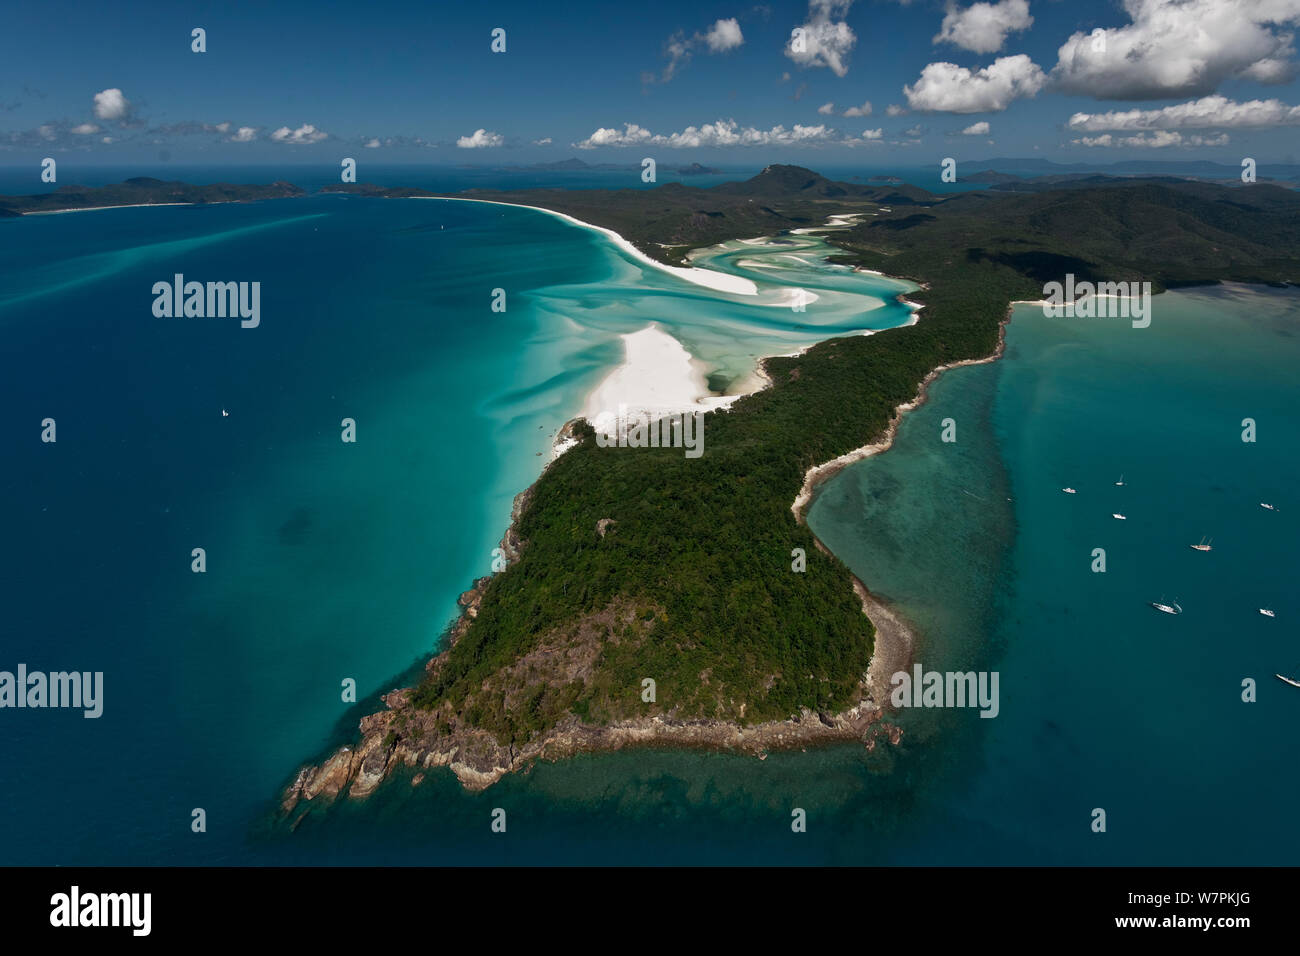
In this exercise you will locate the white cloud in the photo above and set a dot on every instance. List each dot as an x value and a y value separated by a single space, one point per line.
1155 140
821 40
721 133
949 88
110 104
302 135
983 27
222 127
244 134
976 129
1181 48
826 109
85 129
872 133
106 140
371 143
724 35
893 109
863 110
1207 112
545 141
480 139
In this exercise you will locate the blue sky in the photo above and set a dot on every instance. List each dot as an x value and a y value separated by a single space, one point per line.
612 82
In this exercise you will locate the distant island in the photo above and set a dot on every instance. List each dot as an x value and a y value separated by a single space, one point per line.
141 191
573 164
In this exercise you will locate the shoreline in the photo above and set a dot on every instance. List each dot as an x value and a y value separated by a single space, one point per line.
478 761
898 638
133 205
718 281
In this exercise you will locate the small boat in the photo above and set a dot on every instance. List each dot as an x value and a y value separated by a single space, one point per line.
1287 680
1265 504
1069 491
1120 483
1203 546
1171 608
1267 612
1119 517
225 414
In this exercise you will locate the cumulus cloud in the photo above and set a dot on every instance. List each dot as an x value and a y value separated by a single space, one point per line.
976 129
1206 112
85 129
826 109
863 110
724 35
872 133
893 109
110 104
983 27
949 88
544 141
244 134
1181 48
302 135
1156 140
721 133
822 40
371 143
480 139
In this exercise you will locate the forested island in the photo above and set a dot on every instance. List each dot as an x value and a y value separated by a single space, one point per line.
643 564
141 191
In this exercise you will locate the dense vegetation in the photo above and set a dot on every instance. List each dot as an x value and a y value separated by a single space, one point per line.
701 548
141 190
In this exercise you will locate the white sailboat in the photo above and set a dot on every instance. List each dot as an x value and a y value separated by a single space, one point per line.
1265 504
1287 680
1267 612
1119 517
1203 546
1171 608
1120 483
1069 491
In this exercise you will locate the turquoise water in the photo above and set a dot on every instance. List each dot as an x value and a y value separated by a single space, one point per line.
1106 703
329 560
325 560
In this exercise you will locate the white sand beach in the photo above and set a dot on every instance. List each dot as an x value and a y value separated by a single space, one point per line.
136 205
658 376
720 282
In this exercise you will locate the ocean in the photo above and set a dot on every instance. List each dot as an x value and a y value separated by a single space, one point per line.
329 560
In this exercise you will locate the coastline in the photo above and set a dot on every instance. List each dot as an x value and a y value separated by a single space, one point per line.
718 281
478 760
896 641
133 205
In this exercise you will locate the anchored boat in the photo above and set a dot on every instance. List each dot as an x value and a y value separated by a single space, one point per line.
1203 546
1171 608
